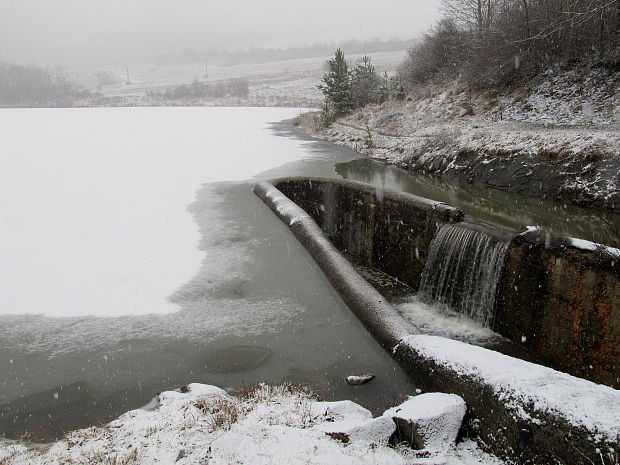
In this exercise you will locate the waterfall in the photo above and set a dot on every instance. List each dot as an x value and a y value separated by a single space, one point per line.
462 271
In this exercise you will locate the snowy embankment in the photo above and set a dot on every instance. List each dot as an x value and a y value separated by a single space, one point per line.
558 139
285 424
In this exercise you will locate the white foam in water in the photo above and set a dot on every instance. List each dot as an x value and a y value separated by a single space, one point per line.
93 202
439 320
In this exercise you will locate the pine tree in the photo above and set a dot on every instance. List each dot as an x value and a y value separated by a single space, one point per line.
383 92
337 84
364 84
399 90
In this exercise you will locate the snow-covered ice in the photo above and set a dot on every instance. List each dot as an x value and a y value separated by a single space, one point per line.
93 201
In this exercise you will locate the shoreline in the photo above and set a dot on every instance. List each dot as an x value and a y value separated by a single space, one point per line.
502 142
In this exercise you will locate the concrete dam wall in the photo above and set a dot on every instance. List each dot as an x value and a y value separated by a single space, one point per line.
557 297
522 412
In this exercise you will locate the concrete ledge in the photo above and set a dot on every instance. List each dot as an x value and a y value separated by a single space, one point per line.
560 298
391 231
522 412
548 418
388 326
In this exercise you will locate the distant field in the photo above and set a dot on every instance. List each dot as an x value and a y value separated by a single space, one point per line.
282 83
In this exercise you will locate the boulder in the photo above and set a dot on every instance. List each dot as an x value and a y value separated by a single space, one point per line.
344 410
429 421
358 380
377 431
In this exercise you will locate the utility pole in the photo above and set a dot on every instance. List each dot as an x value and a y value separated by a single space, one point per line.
128 81
206 69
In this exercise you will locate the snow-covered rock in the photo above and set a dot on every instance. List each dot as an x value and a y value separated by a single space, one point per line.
344 410
357 380
376 431
429 421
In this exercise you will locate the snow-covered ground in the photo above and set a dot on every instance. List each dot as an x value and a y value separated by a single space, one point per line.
264 425
93 201
569 98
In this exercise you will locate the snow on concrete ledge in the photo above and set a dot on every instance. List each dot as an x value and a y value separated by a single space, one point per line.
594 247
520 385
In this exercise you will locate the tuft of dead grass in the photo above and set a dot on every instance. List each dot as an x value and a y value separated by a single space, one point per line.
223 413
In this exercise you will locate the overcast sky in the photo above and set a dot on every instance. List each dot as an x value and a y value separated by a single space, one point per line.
115 31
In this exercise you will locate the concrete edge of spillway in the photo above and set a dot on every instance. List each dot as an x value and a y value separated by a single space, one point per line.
370 307
521 412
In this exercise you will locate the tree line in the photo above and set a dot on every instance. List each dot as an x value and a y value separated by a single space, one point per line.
347 87
35 86
264 55
498 43
237 87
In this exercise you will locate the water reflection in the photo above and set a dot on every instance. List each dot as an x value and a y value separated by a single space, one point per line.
483 205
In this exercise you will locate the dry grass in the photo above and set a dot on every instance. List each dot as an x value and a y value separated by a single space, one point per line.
222 412
297 399
261 392
109 458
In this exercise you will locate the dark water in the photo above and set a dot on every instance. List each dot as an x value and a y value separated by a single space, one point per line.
486 205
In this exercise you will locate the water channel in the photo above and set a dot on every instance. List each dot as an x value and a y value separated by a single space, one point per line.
228 297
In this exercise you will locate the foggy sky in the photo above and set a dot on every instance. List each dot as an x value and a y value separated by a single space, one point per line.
115 31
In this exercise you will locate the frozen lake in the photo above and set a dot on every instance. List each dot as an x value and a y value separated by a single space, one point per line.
135 258
93 201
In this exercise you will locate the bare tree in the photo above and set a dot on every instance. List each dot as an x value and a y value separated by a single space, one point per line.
475 15
503 41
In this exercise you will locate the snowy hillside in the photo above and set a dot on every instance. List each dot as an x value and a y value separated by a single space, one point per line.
557 138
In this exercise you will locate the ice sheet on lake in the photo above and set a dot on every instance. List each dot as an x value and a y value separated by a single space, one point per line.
93 201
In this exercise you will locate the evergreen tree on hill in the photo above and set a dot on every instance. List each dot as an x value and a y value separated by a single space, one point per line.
364 84
337 85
